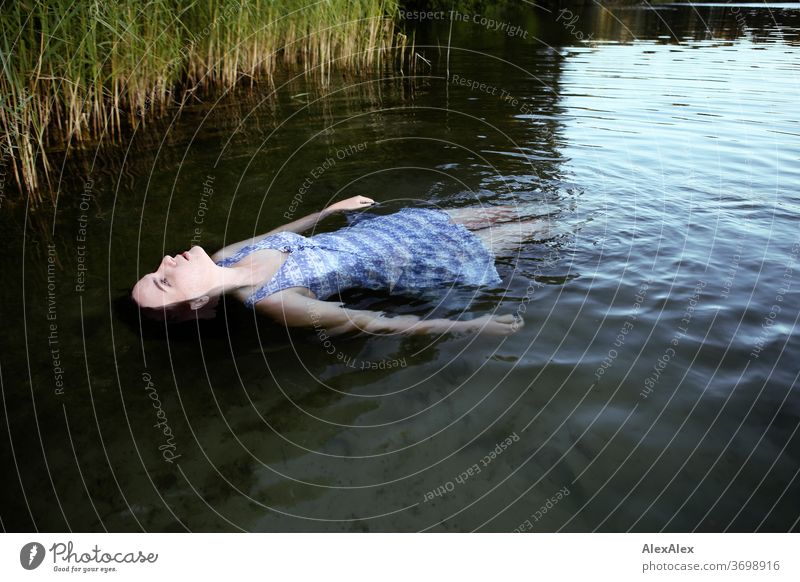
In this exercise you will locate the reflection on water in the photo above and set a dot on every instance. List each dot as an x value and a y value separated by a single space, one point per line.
652 379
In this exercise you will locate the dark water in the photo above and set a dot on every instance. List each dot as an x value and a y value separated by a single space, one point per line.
652 388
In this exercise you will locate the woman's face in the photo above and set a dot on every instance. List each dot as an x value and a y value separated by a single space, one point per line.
180 278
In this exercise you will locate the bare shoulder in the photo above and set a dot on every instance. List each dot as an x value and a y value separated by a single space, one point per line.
270 303
231 249
277 303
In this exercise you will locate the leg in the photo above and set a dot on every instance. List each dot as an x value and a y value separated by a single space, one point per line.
502 228
509 236
475 218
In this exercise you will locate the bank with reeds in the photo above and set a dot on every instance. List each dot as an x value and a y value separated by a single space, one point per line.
89 70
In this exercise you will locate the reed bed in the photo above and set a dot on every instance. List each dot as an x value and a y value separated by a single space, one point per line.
80 71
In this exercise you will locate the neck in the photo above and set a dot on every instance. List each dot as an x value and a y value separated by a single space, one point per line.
240 276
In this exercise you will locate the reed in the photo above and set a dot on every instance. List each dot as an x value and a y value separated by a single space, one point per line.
81 71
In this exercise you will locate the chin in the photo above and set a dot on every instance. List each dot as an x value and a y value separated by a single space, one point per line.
196 251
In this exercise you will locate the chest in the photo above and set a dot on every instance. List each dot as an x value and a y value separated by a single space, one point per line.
264 264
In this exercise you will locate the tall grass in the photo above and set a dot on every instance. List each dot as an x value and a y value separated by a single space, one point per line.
78 70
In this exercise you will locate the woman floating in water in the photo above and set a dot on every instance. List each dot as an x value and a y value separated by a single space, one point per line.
287 276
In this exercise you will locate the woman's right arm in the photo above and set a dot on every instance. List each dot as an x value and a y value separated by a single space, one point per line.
295 310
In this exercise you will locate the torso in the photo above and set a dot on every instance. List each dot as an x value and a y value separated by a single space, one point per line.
411 250
271 260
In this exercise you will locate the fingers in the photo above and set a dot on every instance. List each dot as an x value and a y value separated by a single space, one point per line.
517 323
501 324
352 203
508 318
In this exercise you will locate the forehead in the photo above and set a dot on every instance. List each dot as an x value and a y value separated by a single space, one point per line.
148 293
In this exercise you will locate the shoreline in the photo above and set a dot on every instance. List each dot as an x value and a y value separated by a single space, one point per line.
126 66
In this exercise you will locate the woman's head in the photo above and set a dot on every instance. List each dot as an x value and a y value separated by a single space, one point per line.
186 281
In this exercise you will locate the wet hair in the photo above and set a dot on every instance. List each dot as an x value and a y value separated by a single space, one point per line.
179 312
177 327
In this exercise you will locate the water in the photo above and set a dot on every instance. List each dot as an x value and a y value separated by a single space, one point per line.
652 388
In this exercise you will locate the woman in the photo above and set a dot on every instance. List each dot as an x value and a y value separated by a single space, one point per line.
287 276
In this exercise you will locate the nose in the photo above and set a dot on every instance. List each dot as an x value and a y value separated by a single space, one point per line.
169 261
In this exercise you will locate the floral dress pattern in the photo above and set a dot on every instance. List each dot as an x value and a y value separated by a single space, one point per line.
416 251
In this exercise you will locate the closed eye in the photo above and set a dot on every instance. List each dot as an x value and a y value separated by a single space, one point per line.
158 283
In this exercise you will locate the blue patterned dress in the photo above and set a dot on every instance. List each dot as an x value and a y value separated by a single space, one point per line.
416 251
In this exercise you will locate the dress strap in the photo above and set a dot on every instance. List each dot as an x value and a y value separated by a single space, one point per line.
284 241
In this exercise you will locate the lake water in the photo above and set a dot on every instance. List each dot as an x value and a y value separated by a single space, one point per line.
652 388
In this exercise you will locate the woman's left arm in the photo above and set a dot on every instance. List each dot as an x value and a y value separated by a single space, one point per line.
299 225
303 224
294 309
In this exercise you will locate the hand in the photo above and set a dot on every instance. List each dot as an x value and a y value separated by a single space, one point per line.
353 203
495 324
